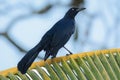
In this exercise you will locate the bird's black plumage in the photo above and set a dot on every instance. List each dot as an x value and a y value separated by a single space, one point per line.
52 41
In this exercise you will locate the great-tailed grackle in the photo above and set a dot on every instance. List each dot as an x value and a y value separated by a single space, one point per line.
52 41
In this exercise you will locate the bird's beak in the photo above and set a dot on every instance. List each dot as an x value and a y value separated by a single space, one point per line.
80 9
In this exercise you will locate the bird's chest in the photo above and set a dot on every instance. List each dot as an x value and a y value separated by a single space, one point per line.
70 27
65 26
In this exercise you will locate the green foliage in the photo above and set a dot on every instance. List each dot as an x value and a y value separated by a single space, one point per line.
96 67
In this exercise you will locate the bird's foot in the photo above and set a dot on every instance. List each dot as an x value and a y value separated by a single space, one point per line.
53 57
69 54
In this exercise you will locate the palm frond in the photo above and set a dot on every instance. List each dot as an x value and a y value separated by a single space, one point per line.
96 65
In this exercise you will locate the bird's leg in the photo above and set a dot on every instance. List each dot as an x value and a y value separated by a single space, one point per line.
53 56
67 50
46 55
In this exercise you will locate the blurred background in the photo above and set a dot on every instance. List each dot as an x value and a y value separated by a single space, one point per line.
24 22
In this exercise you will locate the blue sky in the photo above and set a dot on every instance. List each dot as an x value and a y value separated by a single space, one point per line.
99 19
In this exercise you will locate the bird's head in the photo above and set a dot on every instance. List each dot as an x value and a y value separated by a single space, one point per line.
71 13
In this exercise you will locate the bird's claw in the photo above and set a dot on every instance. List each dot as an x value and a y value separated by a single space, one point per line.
68 54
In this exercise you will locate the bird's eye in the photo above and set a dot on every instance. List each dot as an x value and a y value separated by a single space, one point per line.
73 9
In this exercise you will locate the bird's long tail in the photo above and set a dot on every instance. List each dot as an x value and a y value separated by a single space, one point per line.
28 59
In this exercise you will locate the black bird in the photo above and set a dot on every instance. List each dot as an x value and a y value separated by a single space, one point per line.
52 41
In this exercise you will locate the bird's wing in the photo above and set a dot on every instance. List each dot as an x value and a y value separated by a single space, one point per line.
46 39
60 38
64 30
